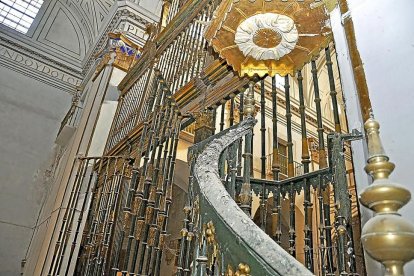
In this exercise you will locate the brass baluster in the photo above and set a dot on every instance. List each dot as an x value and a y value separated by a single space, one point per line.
387 237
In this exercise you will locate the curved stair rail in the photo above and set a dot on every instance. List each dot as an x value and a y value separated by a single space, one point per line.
218 237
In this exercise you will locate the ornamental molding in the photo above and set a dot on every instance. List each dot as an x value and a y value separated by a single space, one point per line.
116 24
269 37
26 56
33 66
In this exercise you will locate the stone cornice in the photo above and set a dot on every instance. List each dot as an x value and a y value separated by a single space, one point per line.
24 55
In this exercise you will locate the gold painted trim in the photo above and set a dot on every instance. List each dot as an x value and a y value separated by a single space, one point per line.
356 61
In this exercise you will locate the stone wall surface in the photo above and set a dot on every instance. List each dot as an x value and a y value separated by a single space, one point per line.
30 115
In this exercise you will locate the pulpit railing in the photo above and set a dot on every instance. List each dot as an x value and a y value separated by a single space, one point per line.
219 234
179 53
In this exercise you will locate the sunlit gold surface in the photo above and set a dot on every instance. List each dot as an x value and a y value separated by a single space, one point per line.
387 237
266 38
309 19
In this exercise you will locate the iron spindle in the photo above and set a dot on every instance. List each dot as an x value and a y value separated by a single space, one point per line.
222 110
154 204
240 148
202 42
263 194
333 92
143 190
231 115
323 164
56 260
165 190
292 224
93 265
307 204
114 214
179 60
146 190
80 218
195 66
192 55
292 194
245 194
102 247
187 53
276 210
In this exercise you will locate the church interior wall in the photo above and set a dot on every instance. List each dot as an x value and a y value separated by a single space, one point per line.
31 113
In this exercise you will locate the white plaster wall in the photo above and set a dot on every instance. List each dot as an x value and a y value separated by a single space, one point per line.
30 115
385 40
154 6
102 128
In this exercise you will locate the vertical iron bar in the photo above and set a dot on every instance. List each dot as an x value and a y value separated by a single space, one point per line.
245 194
323 164
240 148
307 204
292 194
80 218
263 195
231 116
276 210
333 92
223 108
292 224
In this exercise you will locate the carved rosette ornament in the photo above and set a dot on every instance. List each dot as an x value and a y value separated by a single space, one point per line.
259 37
268 36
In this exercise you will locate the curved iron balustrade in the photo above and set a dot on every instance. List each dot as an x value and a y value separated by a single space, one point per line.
226 240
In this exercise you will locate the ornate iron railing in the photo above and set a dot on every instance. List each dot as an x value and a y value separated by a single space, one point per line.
179 53
223 237
219 235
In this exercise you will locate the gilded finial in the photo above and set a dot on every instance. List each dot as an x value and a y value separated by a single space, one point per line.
387 237
378 165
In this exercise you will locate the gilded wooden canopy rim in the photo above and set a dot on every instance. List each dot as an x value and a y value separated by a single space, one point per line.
312 35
